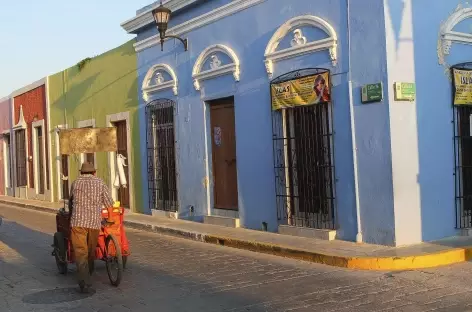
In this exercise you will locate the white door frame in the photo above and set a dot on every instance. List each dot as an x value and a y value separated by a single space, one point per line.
7 176
60 195
35 125
123 116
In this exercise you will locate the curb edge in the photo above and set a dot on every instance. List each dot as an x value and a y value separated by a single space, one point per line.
442 258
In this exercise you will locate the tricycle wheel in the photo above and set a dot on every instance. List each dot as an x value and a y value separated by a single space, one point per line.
125 260
114 260
60 252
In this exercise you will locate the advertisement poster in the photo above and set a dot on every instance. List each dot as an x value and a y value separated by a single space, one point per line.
307 90
463 87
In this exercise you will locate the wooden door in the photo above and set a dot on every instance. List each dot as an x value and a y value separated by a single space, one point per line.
122 138
21 165
65 173
224 154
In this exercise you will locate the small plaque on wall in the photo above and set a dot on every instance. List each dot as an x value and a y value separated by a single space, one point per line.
372 93
405 91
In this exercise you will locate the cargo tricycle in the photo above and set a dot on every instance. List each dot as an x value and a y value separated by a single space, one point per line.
112 246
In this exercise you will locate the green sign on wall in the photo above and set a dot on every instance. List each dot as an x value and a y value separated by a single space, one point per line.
372 93
405 91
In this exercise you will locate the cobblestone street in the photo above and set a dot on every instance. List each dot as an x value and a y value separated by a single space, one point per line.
169 274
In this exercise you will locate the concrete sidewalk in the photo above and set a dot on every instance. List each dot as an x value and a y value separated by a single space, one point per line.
335 253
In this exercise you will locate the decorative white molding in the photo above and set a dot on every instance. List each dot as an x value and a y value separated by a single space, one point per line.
21 121
301 45
229 9
145 18
151 85
216 69
215 62
298 38
447 36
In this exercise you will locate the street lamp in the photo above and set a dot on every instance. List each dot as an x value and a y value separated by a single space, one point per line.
161 17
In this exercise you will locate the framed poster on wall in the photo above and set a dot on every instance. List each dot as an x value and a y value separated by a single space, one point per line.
462 82
307 90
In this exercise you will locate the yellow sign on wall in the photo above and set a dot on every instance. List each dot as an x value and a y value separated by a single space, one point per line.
463 87
309 90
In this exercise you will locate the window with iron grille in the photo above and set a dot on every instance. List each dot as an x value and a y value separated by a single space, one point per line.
304 163
463 157
21 166
161 155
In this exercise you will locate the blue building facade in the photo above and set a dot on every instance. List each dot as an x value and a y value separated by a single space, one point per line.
213 148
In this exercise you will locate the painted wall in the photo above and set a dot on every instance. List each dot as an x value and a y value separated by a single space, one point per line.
34 106
106 85
252 108
368 64
405 166
405 149
434 117
5 124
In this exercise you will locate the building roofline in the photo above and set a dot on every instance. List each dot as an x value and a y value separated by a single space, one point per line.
5 98
29 87
145 18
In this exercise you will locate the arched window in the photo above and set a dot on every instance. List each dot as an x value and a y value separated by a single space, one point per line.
217 66
158 78
299 45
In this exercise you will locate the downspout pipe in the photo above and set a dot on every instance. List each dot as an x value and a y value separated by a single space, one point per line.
359 238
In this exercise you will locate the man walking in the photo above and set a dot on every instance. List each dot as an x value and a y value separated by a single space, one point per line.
89 194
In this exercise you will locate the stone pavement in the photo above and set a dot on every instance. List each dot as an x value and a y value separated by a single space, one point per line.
335 253
173 274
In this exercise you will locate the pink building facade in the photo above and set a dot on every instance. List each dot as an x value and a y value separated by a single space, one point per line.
6 168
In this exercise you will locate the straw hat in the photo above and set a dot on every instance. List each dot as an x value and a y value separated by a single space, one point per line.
87 168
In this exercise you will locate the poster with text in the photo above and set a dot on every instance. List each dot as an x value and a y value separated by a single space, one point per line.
309 90
463 87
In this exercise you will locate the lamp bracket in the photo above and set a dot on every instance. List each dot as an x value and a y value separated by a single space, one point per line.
184 41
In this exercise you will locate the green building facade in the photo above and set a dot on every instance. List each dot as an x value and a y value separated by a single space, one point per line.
98 92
